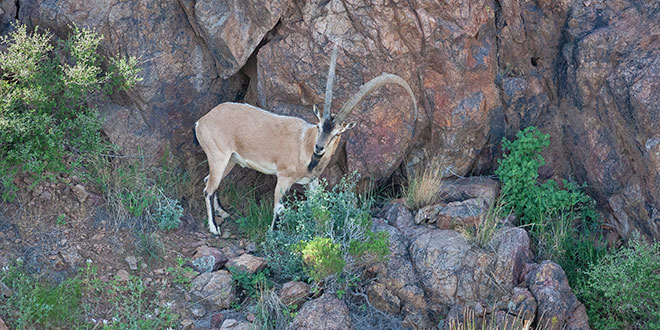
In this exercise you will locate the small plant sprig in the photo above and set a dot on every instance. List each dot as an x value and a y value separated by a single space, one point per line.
181 275
251 284
168 212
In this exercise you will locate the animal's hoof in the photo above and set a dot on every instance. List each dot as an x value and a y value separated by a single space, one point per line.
222 214
215 230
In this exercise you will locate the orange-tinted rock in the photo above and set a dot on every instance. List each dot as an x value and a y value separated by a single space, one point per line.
446 53
325 312
294 293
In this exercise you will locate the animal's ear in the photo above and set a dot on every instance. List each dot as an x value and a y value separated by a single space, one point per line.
347 127
316 112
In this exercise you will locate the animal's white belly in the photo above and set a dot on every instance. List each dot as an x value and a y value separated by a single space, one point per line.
266 168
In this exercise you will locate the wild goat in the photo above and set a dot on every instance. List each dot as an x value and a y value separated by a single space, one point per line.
289 147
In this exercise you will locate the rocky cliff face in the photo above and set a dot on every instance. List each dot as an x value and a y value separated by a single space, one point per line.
584 71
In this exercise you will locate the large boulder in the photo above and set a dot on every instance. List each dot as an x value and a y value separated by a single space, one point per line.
325 312
452 271
232 29
611 108
181 80
558 308
396 288
447 53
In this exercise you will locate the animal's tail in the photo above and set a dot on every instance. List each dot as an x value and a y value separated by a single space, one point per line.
195 141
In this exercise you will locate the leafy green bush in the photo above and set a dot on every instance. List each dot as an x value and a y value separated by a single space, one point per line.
134 307
35 302
333 221
563 223
518 173
46 123
622 290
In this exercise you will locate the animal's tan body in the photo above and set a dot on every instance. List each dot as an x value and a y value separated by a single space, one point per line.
290 148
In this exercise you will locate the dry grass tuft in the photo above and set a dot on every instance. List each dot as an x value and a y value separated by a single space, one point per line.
470 321
272 313
482 234
424 186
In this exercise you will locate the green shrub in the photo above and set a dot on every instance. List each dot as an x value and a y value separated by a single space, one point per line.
563 223
46 124
36 302
129 305
322 257
518 173
150 245
251 284
168 212
181 275
331 221
622 290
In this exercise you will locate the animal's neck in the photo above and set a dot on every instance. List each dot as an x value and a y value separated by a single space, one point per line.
315 164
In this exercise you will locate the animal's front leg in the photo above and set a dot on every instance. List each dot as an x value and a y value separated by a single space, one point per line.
283 185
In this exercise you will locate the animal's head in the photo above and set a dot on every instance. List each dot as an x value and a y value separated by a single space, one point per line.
328 132
329 127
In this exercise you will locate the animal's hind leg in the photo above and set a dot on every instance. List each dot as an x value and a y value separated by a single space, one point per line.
217 205
283 185
217 167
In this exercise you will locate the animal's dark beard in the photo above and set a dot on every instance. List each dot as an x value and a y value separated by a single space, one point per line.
315 161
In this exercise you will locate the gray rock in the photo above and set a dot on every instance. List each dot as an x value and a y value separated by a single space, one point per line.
215 289
123 275
450 215
383 299
207 259
325 312
247 263
233 29
294 293
70 255
132 262
451 270
198 310
204 264
557 305
396 281
80 192
5 290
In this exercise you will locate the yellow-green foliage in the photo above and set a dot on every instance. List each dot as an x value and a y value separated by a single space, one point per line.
322 257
